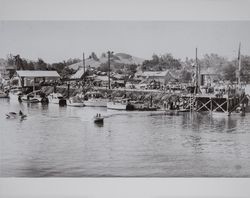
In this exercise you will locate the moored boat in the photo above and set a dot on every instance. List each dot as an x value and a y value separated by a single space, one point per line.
31 98
75 102
57 98
13 115
3 94
95 99
120 104
141 106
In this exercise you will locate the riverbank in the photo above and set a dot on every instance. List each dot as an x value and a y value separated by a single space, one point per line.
157 97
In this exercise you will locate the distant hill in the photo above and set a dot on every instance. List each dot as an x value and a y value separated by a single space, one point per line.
120 58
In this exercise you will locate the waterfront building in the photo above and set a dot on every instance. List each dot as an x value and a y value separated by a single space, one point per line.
163 77
32 78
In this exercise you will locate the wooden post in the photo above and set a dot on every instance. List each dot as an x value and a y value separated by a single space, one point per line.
228 106
34 84
68 89
55 88
211 105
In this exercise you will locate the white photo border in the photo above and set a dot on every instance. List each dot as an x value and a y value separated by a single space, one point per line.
170 10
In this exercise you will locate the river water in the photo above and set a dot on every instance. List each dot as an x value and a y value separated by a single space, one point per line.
58 141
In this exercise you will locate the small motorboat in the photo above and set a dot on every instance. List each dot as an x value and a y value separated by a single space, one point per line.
13 115
98 118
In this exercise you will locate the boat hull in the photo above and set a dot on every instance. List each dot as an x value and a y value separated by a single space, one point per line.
116 106
76 104
95 103
98 120
30 100
4 96
54 101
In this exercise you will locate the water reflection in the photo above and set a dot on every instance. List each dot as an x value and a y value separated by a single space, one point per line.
99 124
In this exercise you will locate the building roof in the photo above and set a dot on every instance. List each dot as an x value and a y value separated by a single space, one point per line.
37 73
155 73
102 78
78 74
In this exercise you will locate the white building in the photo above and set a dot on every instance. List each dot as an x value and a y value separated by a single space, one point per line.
29 78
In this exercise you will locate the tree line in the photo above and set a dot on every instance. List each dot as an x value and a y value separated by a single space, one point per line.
211 63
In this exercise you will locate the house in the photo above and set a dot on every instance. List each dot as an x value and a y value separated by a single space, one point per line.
163 77
101 81
31 78
208 77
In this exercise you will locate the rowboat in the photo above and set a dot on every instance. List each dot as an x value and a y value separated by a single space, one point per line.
98 118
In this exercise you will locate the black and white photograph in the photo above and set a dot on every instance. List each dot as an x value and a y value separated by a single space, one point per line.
124 98
140 99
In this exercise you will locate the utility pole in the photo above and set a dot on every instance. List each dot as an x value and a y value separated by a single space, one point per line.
83 64
239 68
109 55
197 68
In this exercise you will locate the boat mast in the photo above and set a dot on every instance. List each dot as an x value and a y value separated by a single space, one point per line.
239 66
197 72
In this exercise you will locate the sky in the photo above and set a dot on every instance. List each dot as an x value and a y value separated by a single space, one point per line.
55 41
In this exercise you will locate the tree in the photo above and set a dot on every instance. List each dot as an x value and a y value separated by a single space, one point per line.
67 72
10 59
167 61
229 72
186 76
104 55
59 67
41 65
94 56
18 62
245 68
104 67
131 69
72 61
163 62
214 62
